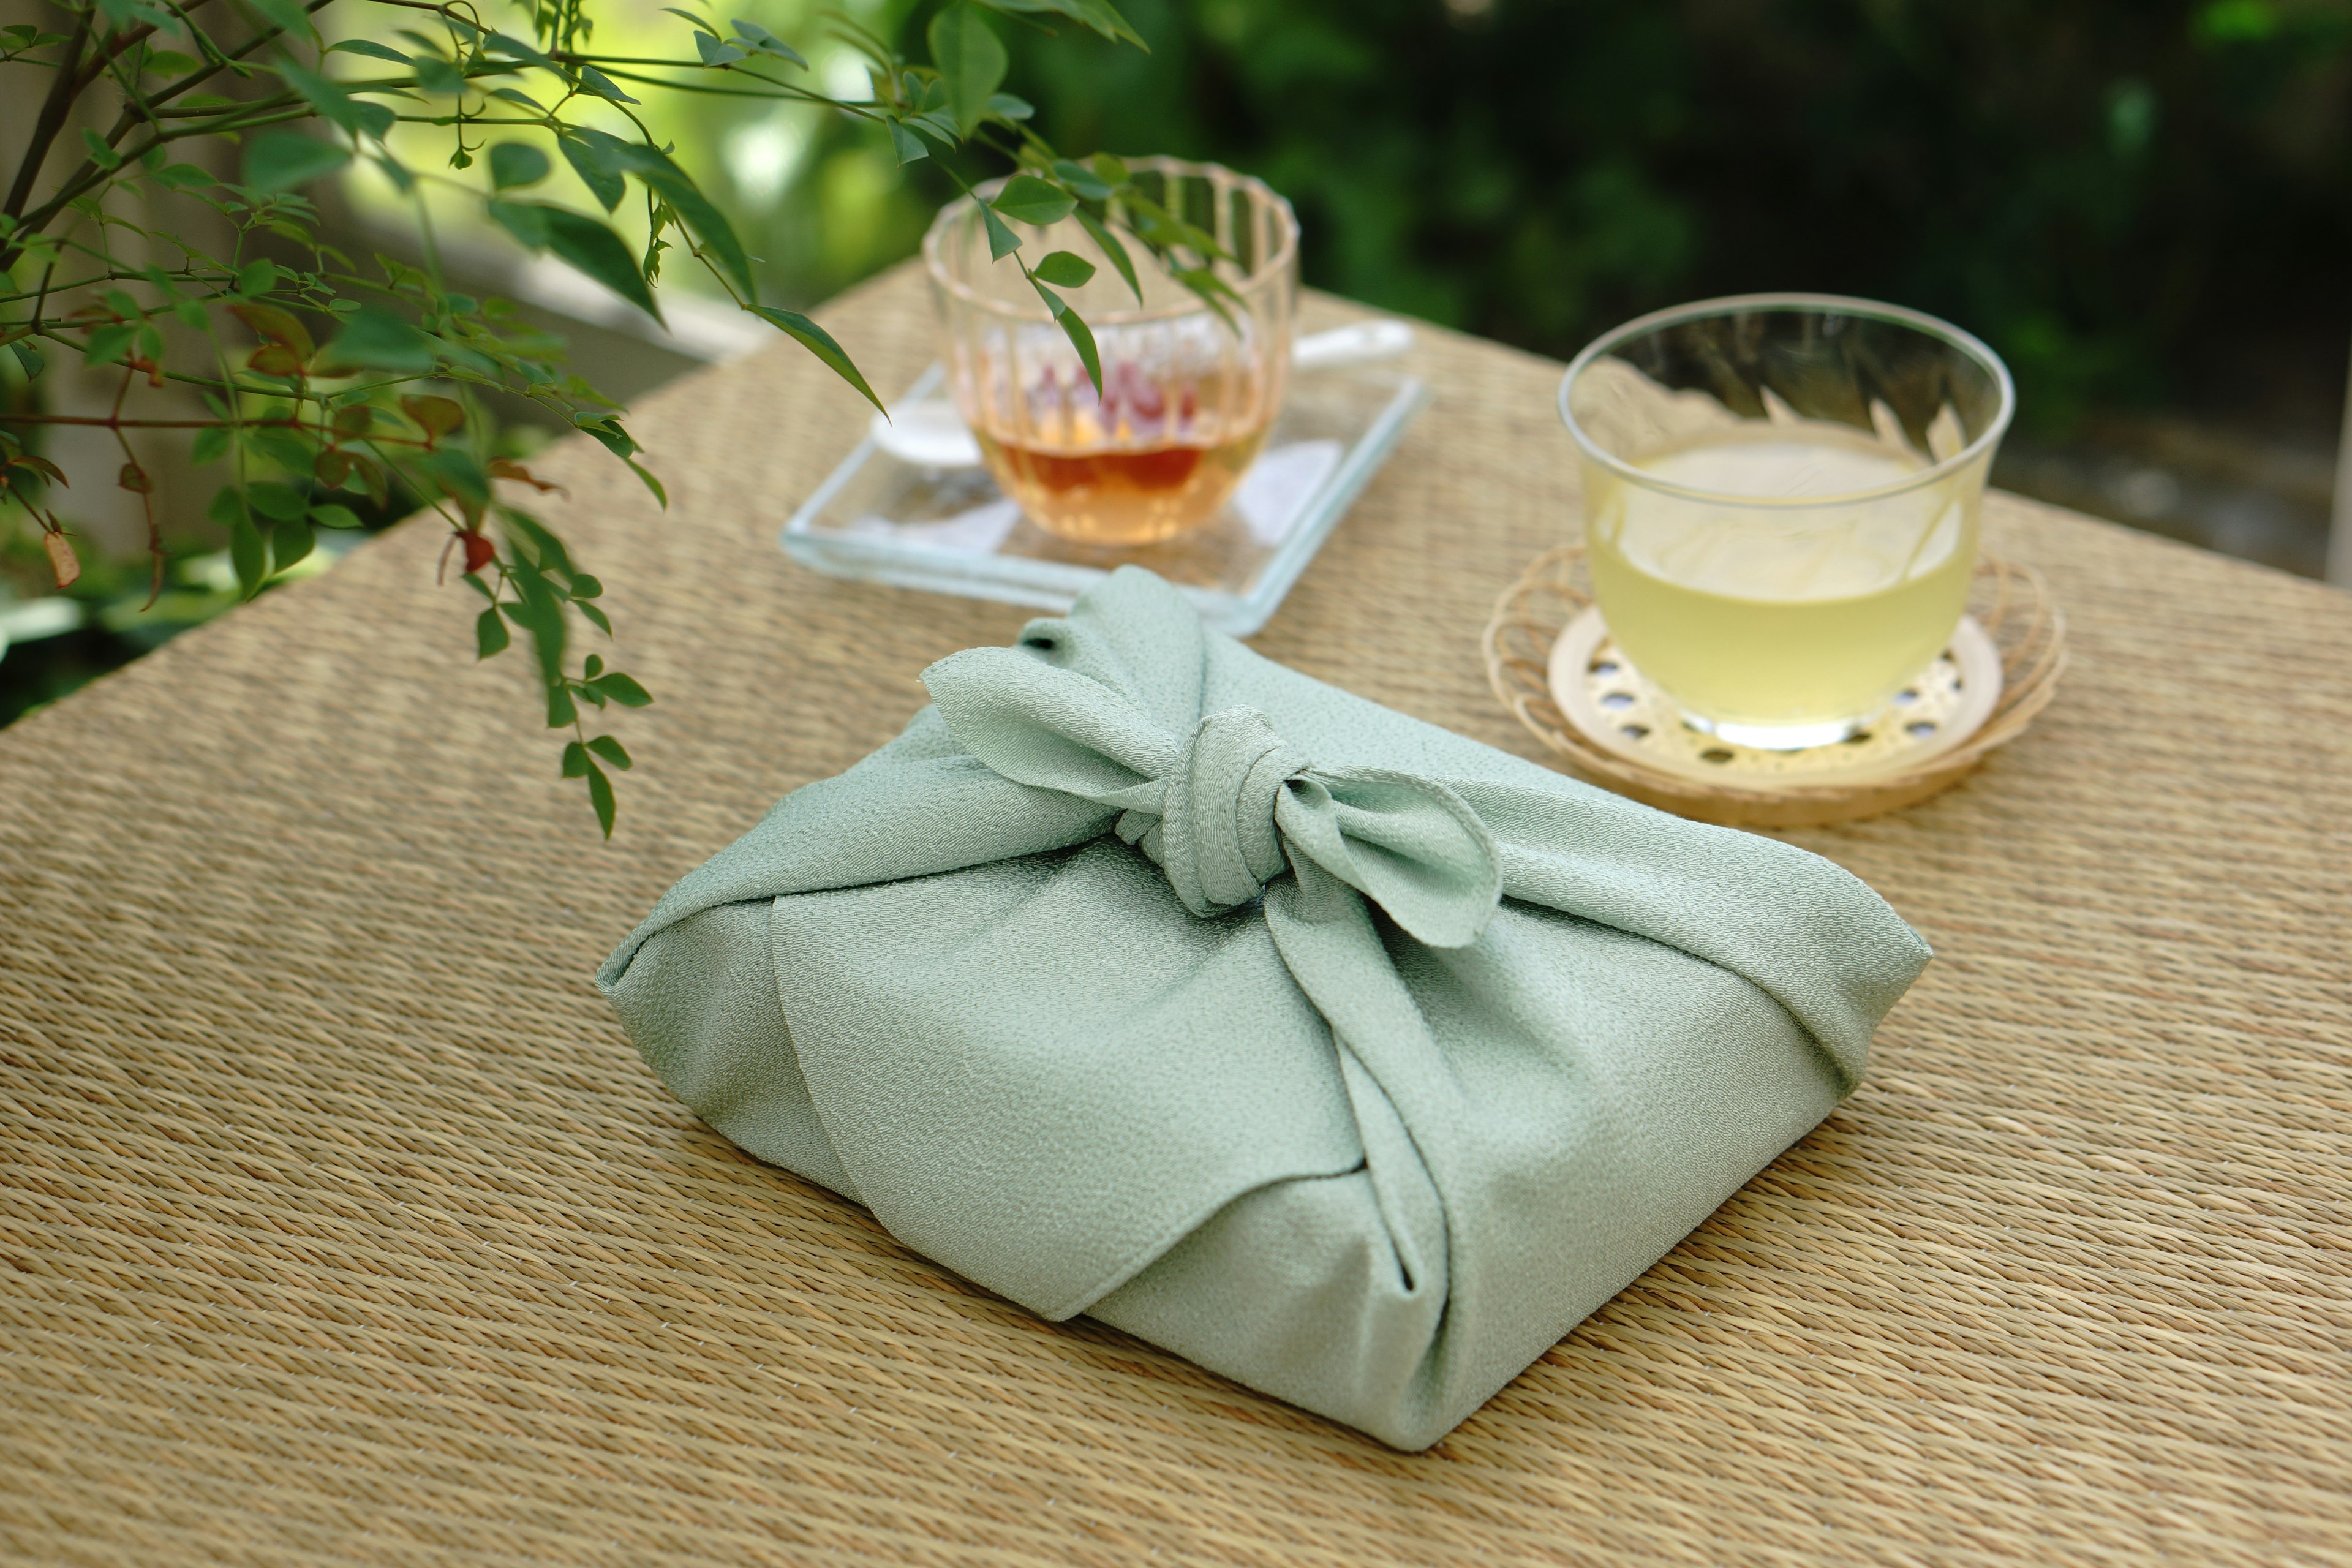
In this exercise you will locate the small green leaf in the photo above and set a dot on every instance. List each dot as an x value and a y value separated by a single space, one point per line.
372 50
561 709
621 689
1004 106
290 542
377 339
544 548
333 516
1110 245
104 156
439 77
256 279
109 344
1082 339
1065 269
1028 199
183 176
971 61
31 358
575 759
246 551
1099 15
939 127
490 634
597 171
514 163
716 52
1089 185
820 342
1002 241
596 82
600 795
515 48
210 446
759 39
281 160
608 432
527 221
611 751
907 145
459 473
596 250
278 502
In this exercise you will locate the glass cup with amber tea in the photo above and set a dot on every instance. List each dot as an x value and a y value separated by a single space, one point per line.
1780 503
1189 389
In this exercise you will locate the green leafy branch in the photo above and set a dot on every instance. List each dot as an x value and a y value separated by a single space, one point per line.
332 391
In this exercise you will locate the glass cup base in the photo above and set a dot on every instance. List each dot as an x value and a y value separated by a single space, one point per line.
1779 737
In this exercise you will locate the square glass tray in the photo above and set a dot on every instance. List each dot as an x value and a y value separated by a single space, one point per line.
951 530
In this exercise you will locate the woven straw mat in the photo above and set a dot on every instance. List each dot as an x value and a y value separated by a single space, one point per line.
339 1224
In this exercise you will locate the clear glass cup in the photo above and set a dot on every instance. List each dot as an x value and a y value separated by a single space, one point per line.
1782 495
1188 394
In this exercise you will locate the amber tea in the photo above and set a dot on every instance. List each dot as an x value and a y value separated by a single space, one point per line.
1188 393
1140 464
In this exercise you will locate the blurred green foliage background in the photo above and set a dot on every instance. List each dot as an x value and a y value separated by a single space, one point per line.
2138 204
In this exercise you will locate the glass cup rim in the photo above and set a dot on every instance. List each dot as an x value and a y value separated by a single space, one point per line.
1283 254
1920 322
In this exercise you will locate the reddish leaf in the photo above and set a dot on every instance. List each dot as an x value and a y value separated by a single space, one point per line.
439 416
135 479
276 359
333 468
62 558
479 552
506 468
40 465
273 325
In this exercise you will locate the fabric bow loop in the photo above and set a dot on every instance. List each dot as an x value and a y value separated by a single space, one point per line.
1232 806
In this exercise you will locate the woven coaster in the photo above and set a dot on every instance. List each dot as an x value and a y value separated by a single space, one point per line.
1550 660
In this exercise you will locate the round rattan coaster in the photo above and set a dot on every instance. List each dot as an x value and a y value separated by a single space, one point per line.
1550 660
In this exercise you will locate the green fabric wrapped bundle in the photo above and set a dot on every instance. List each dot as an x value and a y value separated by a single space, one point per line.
1358 1061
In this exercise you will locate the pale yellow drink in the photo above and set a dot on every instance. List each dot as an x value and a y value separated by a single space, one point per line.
1782 601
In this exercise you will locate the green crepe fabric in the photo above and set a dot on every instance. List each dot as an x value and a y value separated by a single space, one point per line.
1358 1061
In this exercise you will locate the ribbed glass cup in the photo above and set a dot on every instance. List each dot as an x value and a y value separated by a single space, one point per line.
1782 495
1188 394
